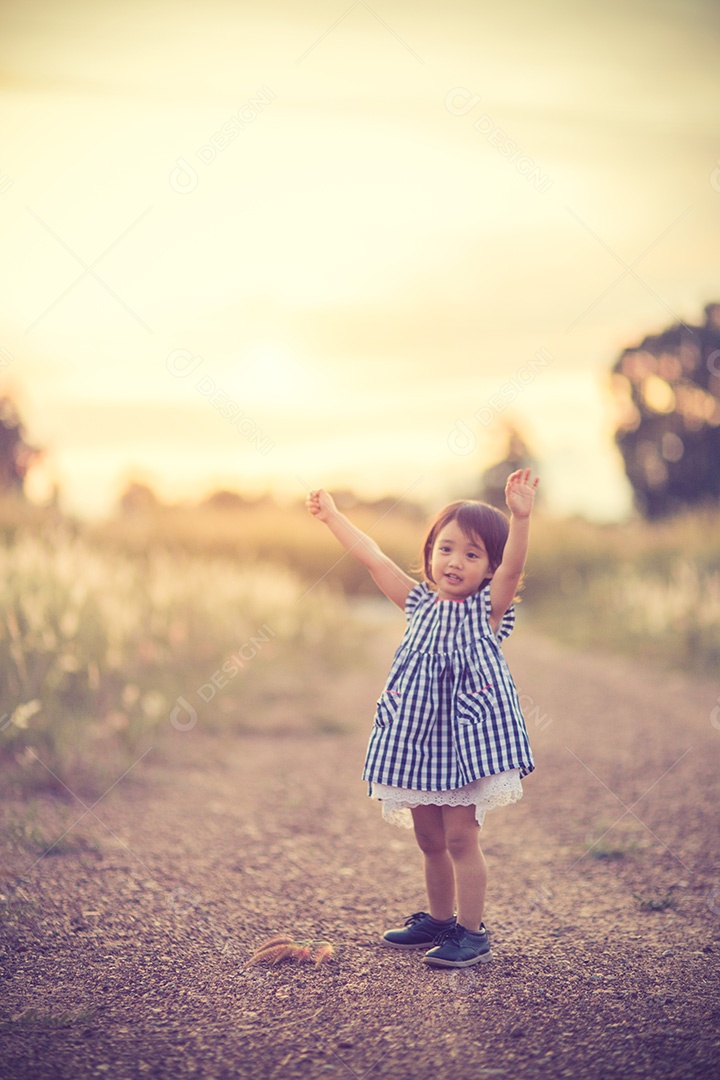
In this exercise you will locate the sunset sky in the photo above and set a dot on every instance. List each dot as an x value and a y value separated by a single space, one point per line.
260 246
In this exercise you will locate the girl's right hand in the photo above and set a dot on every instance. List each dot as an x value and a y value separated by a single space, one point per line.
321 505
520 492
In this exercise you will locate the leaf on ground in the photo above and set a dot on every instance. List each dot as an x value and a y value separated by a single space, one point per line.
283 947
274 954
322 953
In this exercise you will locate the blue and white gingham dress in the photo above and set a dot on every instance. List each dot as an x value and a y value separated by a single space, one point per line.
449 714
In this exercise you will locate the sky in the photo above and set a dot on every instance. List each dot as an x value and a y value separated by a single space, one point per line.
268 247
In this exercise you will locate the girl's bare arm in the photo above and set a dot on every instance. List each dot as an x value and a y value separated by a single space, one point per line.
388 577
520 496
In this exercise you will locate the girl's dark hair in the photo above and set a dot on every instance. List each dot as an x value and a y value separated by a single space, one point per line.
478 521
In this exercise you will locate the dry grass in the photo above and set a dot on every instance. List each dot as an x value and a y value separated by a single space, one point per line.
103 650
649 590
284 947
106 630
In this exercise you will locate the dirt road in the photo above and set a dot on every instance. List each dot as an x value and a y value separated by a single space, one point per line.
124 949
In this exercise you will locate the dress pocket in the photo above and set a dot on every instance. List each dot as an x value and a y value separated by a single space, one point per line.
387 708
476 706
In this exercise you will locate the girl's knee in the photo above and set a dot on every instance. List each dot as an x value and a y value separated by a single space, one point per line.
430 841
461 842
429 829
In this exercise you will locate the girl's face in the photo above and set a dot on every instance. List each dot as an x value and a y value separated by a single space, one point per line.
459 565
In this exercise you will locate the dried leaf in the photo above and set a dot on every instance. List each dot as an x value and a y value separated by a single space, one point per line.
322 953
277 939
273 955
283 947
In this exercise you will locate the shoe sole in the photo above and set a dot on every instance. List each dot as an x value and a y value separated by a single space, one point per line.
483 958
395 945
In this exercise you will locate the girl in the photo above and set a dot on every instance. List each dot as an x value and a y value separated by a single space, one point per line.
449 741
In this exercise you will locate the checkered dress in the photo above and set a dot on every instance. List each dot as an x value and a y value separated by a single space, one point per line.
449 713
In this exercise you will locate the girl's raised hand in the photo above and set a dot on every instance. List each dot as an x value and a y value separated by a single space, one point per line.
321 505
520 492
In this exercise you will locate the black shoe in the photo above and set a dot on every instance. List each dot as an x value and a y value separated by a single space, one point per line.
421 931
459 948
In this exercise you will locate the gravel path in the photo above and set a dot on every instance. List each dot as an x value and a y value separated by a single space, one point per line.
124 950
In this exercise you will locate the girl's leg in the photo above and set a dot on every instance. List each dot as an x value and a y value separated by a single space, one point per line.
439 876
461 838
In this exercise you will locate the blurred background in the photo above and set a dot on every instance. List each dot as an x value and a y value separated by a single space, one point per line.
389 249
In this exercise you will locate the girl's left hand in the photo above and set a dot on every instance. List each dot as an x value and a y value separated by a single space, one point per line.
321 505
520 492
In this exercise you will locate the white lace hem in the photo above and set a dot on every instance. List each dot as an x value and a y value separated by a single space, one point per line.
484 794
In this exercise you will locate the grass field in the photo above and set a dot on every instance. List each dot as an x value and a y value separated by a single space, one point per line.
111 633
651 589
103 646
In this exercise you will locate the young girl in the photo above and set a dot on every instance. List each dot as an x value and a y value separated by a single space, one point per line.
449 741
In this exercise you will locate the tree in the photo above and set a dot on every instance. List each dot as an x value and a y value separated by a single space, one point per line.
668 389
137 498
516 456
232 501
16 455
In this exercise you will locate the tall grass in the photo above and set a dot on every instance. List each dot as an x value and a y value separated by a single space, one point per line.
99 645
288 537
241 615
650 590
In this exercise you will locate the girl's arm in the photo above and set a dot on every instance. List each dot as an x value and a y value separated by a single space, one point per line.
388 577
519 496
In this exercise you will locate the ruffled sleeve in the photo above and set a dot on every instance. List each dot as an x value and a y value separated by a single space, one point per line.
415 596
507 623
